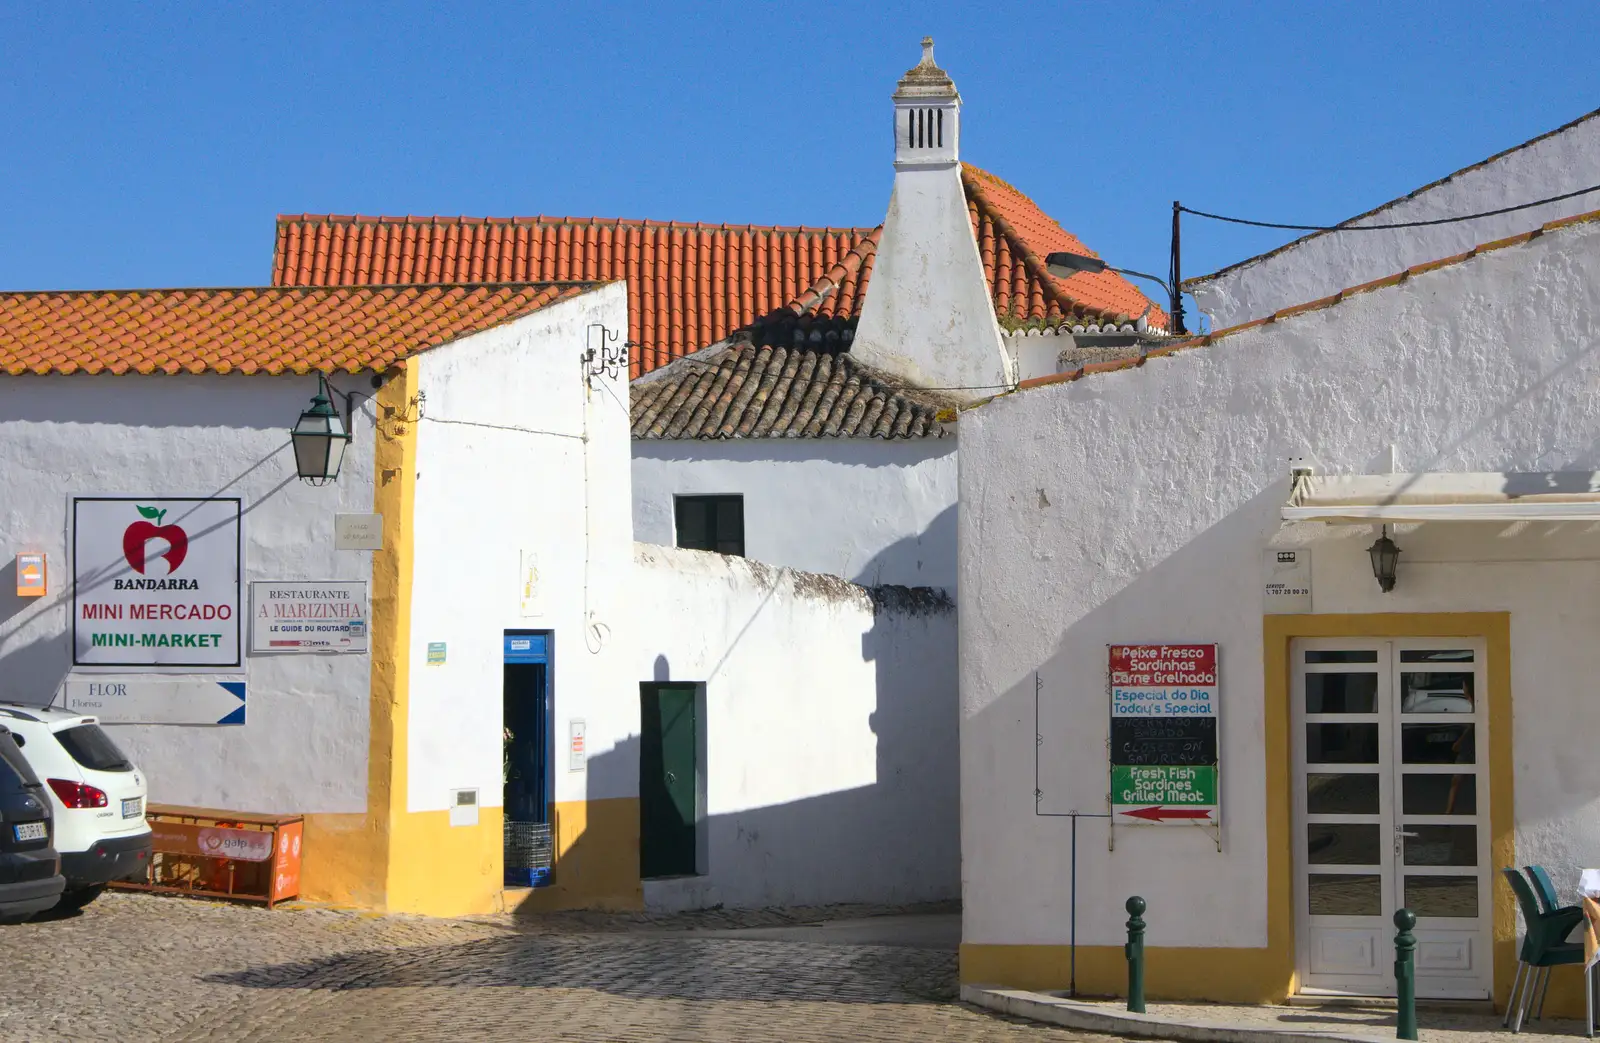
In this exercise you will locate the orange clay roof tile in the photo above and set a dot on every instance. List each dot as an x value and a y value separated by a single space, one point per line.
692 285
265 330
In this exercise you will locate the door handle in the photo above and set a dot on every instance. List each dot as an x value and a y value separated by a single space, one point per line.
671 778
1403 833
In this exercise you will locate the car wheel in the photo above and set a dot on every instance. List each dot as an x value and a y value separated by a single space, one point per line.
72 901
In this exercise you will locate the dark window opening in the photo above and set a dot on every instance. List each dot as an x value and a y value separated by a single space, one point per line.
714 523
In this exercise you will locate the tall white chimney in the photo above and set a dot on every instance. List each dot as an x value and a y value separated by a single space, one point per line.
928 316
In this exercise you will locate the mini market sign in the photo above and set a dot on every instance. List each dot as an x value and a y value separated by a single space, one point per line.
155 582
1164 763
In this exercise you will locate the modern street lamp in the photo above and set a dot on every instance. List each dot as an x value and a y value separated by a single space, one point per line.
1065 265
320 438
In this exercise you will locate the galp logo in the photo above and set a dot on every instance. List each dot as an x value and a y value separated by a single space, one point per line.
136 537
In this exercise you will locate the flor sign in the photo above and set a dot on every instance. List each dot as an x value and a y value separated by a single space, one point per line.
1164 734
155 582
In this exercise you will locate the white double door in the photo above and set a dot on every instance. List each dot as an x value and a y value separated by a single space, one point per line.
1391 810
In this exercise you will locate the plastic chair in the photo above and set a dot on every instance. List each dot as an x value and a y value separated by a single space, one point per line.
1543 947
1545 889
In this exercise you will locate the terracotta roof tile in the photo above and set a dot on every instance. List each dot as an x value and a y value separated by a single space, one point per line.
694 285
266 330
745 390
1014 237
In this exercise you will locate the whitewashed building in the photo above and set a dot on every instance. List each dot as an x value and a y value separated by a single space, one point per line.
1557 163
500 658
789 381
486 478
1372 737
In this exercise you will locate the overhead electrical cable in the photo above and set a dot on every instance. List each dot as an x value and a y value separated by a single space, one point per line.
1395 224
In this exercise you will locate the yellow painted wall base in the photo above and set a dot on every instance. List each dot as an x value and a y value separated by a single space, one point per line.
1221 975
1267 975
437 869
597 859
343 860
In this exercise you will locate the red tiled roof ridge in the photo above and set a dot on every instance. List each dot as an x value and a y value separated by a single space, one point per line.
1381 207
1320 304
968 168
836 275
551 219
692 285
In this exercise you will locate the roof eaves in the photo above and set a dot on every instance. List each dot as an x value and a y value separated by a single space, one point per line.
1320 304
1201 279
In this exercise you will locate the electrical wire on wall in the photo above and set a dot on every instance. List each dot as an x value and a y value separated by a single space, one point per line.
599 363
1074 815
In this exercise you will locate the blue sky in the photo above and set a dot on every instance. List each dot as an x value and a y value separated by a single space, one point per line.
152 144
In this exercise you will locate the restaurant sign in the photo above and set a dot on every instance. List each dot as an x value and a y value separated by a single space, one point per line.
155 582
323 616
1164 740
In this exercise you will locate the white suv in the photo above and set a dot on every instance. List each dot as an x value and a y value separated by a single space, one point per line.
96 793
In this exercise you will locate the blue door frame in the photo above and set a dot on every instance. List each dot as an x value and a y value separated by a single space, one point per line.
527 716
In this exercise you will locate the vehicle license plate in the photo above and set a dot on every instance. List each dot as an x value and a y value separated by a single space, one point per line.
30 830
132 806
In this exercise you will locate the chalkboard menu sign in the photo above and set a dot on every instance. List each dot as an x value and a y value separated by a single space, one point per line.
1164 749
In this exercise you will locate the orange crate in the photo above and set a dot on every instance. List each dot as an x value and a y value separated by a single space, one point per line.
222 854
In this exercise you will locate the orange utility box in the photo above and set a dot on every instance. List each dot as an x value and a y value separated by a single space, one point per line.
222 854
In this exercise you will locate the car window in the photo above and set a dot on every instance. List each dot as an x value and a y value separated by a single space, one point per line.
91 747
14 767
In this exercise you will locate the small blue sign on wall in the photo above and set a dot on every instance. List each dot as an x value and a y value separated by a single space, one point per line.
435 653
527 648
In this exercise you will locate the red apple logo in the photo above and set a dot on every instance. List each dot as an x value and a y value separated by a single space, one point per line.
134 537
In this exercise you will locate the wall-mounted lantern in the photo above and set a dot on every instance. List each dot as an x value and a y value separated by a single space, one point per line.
320 439
1385 559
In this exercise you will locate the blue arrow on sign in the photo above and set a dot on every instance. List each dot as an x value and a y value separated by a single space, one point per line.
236 689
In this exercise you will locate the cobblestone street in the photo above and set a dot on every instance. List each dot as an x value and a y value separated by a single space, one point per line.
137 966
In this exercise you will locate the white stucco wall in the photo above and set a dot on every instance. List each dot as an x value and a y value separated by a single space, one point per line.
303 747
1135 507
515 453
928 316
830 731
1325 264
870 510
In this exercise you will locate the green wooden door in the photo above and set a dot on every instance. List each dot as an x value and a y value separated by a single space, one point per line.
669 764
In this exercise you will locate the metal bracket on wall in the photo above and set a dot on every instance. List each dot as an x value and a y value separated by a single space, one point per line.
599 358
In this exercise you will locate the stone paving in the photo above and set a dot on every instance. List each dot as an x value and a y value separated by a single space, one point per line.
172 969
1462 1023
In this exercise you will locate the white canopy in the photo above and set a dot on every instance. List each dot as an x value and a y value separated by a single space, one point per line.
1440 496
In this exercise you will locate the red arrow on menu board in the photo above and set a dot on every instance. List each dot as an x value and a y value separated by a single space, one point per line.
1157 814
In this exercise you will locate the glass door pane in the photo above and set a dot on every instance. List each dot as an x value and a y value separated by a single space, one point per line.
1343 801
1441 829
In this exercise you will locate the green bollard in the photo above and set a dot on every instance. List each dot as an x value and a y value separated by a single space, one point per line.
1134 950
1405 975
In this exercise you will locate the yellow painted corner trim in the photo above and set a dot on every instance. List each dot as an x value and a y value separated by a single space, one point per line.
348 857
